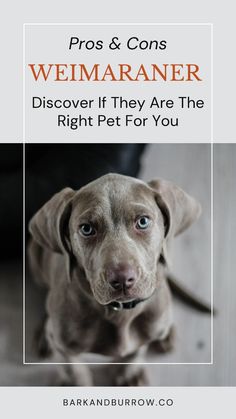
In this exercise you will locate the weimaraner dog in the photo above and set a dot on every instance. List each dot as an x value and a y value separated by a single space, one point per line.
102 253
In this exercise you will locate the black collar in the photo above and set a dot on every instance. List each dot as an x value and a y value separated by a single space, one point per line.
118 306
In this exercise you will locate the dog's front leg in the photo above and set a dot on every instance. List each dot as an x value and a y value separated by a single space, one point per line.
80 374
164 336
72 373
164 344
131 371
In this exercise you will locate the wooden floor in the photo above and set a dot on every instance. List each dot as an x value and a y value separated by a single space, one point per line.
189 166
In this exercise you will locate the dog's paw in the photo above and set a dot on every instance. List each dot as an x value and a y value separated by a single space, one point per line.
59 382
137 379
62 380
164 345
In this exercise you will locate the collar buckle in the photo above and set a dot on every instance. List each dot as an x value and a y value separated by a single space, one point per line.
116 306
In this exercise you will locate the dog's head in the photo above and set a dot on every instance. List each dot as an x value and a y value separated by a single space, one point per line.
116 229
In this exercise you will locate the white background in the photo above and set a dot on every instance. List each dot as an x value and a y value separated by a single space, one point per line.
193 402
14 14
194 125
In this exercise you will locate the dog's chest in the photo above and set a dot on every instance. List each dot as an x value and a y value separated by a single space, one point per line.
110 337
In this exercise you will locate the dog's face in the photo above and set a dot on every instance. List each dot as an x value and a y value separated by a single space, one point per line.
116 228
116 231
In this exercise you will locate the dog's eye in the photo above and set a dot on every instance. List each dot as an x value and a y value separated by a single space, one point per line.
142 223
87 230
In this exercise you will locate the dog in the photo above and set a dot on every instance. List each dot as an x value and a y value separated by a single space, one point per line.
102 254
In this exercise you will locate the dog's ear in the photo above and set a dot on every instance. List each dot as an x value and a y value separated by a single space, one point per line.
49 226
179 209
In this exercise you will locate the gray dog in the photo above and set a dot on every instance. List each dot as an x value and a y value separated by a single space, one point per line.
102 254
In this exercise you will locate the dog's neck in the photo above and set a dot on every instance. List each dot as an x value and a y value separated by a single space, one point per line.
119 306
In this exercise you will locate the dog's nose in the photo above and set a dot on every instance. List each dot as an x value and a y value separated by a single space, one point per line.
121 277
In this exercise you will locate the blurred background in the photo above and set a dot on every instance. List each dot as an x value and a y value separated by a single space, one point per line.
51 167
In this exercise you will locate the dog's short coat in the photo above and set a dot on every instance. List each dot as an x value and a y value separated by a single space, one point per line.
102 253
